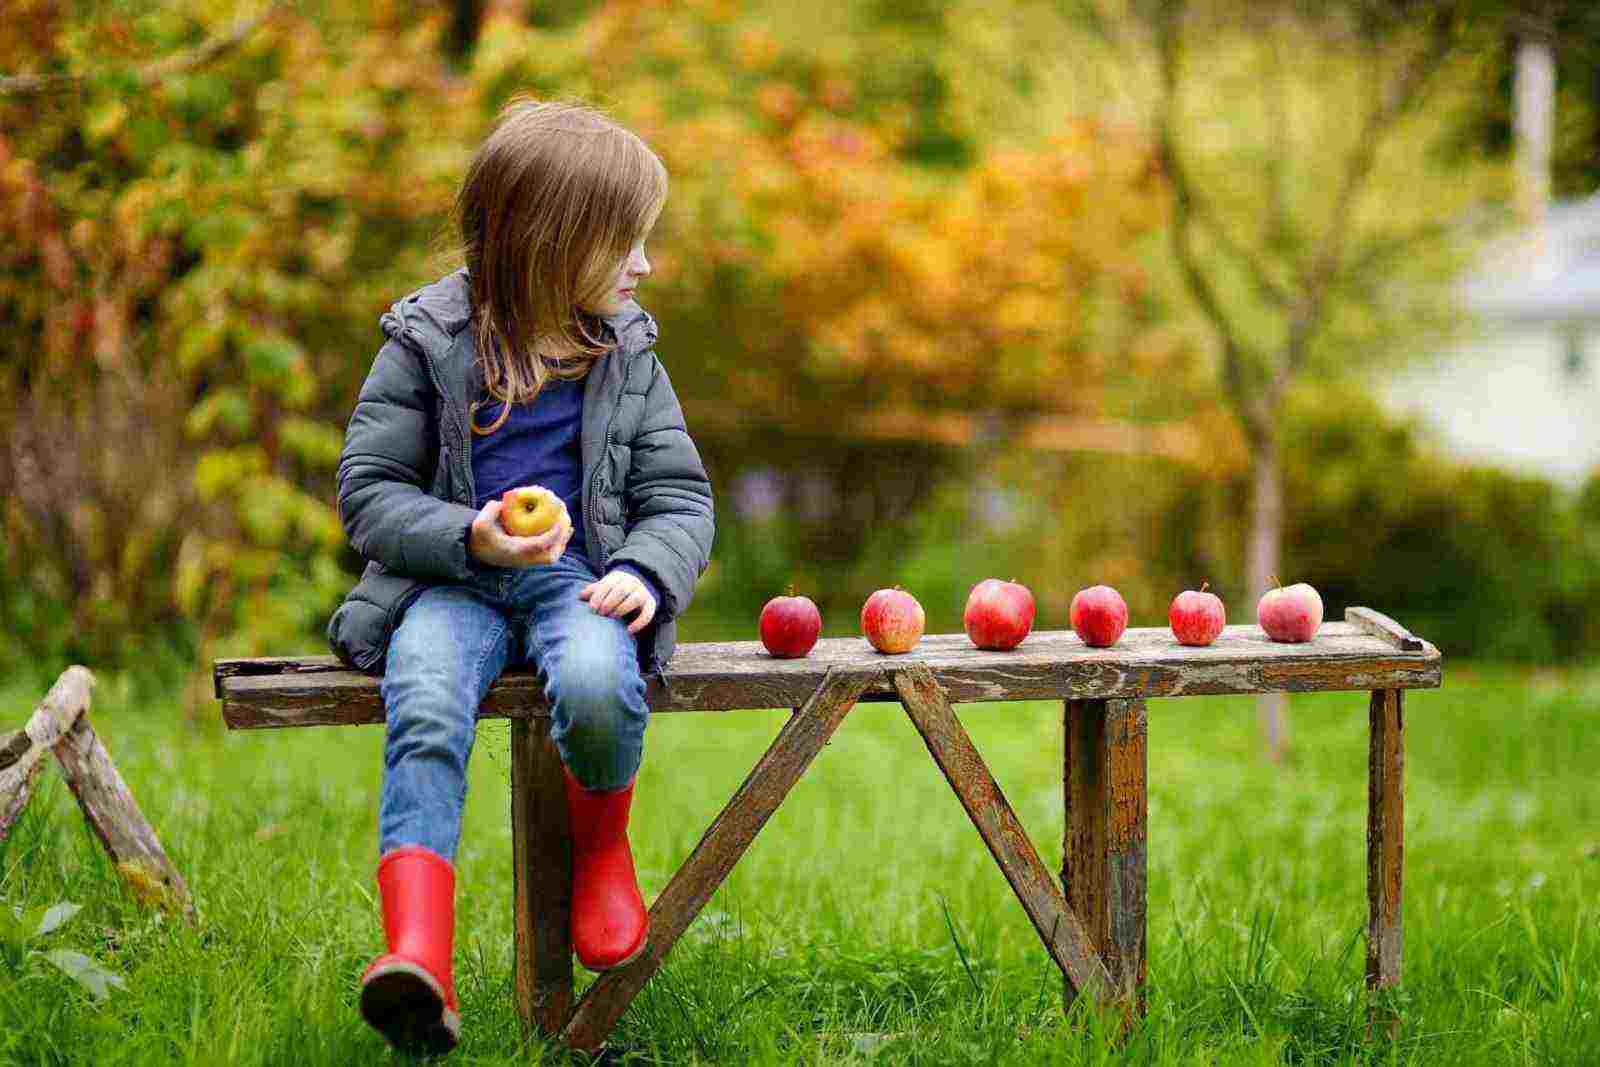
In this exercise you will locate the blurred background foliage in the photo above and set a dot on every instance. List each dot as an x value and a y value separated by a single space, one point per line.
915 279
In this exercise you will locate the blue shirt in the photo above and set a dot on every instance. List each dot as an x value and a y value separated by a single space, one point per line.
540 443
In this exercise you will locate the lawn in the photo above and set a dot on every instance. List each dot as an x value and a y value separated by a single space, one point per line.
867 923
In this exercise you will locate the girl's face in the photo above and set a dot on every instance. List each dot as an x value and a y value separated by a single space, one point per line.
633 269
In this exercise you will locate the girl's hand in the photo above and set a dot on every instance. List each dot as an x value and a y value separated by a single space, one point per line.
619 593
490 543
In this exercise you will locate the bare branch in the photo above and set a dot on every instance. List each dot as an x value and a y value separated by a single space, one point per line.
1256 265
152 74
1383 251
1401 92
1272 291
1256 417
1279 225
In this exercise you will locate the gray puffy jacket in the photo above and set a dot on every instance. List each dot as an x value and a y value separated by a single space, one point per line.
405 476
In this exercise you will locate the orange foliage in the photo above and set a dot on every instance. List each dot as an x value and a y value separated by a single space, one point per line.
1013 284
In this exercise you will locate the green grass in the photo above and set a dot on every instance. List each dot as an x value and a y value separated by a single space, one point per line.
867 922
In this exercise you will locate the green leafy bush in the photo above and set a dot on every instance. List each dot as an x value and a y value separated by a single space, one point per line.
1482 562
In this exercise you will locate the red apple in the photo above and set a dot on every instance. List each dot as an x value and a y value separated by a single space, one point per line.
999 614
892 620
529 510
1099 615
790 625
1290 613
1196 616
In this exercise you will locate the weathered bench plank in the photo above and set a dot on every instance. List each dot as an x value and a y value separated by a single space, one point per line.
1380 625
724 676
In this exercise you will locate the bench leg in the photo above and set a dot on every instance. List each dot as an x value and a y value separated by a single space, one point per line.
541 852
1103 852
1385 837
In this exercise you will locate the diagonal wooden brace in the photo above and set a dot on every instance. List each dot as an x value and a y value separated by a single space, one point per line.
719 849
1058 926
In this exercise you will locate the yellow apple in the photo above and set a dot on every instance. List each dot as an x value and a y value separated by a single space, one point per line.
529 510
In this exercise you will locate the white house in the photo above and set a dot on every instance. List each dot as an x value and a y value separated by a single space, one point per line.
1523 391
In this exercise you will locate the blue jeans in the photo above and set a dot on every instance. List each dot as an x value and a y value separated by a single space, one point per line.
451 645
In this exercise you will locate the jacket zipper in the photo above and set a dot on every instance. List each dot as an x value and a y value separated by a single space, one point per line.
589 506
438 387
594 478
656 666
659 670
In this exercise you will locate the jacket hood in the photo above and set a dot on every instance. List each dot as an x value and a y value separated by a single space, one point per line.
429 318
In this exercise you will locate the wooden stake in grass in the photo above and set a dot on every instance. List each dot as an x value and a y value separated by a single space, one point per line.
61 725
22 756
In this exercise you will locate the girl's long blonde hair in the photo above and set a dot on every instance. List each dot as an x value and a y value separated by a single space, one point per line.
554 200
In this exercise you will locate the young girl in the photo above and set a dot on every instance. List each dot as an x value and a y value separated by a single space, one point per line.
532 365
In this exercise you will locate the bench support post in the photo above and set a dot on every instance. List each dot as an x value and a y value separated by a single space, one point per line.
541 856
1385 838
1104 835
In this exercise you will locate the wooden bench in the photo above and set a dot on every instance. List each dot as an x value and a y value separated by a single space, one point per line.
1094 931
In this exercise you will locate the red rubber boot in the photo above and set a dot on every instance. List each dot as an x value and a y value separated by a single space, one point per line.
407 993
609 923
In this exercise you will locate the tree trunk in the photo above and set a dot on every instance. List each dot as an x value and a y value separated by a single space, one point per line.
1266 535
1533 120
466 19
